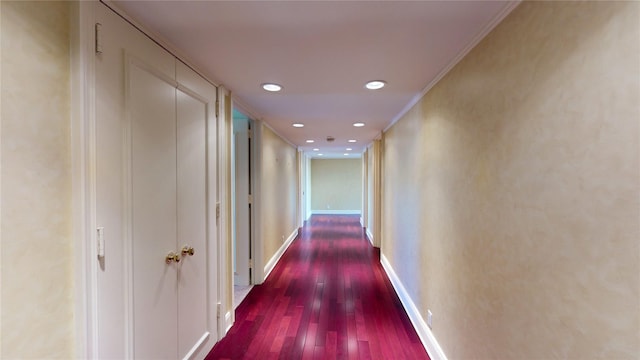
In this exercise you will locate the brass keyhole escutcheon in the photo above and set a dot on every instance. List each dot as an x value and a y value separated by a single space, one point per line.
187 250
171 257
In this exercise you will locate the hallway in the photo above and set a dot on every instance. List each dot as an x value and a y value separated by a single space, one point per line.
327 298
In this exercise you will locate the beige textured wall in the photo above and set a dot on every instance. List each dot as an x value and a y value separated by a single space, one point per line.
336 184
278 191
37 255
512 189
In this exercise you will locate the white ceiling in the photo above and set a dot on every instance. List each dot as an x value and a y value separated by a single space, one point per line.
322 52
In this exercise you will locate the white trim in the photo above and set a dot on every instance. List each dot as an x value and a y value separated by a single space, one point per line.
78 325
257 243
485 31
195 349
377 189
300 159
127 211
307 187
228 323
336 212
243 108
370 236
276 257
83 151
225 276
279 135
213 231
426 335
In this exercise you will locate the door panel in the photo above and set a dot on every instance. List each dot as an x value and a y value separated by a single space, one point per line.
192 227
242 224
153 128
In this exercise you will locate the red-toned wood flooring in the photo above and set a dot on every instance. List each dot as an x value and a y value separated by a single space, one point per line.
327 298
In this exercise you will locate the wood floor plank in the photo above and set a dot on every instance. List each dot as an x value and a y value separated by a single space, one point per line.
331 345
363 348
327 298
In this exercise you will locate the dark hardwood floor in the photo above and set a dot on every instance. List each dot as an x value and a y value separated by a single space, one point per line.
328 298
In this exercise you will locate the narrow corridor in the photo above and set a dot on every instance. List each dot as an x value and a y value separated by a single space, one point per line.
327 298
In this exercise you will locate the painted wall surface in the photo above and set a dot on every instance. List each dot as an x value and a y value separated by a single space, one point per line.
336 184
511 189
37 254
278 191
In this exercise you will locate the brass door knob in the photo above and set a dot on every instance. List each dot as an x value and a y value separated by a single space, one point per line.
187 250
171 256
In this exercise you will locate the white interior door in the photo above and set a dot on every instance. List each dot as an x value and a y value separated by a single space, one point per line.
194 107
152 107
156 173
242 206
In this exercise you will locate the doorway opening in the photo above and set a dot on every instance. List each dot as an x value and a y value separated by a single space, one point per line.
242 238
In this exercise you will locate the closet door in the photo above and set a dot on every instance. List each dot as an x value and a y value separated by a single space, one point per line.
169 167
136 294
152 109
155 195
195 125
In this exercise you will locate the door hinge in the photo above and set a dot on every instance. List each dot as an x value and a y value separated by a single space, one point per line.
250 263
218 310
250 199
98 35
217 210
249 134
217 107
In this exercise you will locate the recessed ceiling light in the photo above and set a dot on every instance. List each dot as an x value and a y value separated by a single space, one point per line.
316 149
298 125
345 154
271 87
310 141
351 141
375 84
349 149
358 124
320 154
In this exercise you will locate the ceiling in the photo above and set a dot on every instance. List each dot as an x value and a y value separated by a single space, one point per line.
322 53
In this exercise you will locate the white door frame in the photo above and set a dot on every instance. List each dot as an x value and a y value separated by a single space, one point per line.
302 190
258 273
226 315
257 270
307 186
83 142
241 223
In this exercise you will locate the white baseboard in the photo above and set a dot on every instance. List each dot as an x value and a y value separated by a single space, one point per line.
426 336
370 237
336 212
228 323
195 350
276 257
